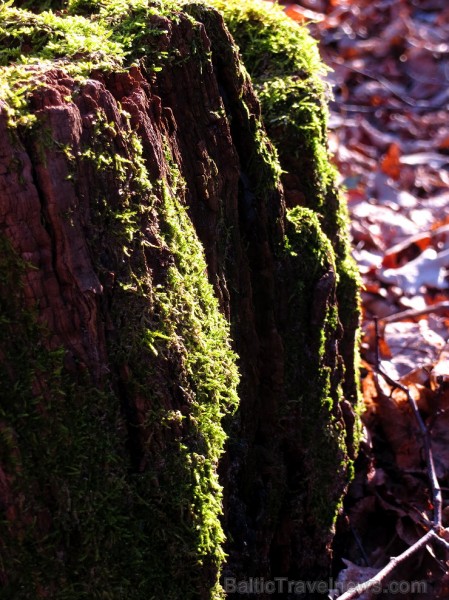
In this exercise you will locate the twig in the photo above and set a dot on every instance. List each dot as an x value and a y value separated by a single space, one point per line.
377 580
436 490
432 534
412 312
377 355
358 541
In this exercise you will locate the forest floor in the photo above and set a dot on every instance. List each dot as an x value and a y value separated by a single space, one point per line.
389 135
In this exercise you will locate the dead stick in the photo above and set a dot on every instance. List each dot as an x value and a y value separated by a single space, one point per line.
413 312
376 330
377 580
436 490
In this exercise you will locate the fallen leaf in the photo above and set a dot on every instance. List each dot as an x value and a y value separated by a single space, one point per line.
439 376
413 345
390 164
301 14
406 250
427 270
353 574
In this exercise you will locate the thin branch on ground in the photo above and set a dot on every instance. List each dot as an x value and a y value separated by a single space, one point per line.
358 541
436 490
434 534
381 576
412 313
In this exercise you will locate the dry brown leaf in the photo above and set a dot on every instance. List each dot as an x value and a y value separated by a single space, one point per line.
390 164
406 250
400 429
352 575
301 15
439 376
413 345
426 270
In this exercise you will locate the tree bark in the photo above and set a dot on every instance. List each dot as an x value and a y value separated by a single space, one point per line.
151 281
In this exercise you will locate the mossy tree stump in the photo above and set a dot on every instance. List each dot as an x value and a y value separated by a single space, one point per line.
178 306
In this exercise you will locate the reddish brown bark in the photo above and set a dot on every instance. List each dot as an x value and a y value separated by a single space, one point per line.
206 113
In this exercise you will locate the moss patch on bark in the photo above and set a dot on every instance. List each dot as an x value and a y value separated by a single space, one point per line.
109 484
288 75
92 523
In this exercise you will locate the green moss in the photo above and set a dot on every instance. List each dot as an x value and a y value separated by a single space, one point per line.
190 311
102 35
137 456
69 525
117 529
269 40
312 365
176 320
26 36
284 64
259 162
287 73
86 36
293 112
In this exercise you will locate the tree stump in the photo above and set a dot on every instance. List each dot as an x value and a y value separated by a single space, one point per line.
178 306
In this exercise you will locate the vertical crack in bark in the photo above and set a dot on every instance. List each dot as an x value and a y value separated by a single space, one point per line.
191 162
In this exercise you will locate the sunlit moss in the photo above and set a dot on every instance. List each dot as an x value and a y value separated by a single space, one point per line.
84 37
312 363
27 37
288 75
271 43
284 64
160 526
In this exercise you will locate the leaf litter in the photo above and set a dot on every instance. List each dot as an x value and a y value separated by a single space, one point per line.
389 135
